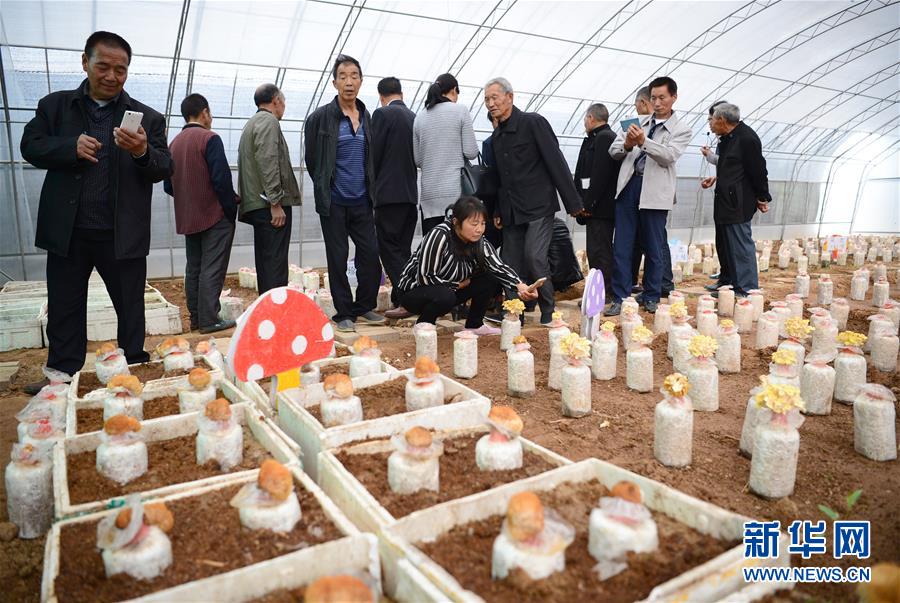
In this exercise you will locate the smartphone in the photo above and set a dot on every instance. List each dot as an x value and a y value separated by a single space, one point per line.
131 121
537 284
627 122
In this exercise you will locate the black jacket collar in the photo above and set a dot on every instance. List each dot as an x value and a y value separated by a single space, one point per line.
593 133
336 108
81 92
512 122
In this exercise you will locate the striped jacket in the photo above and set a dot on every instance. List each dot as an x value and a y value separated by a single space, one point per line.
434 263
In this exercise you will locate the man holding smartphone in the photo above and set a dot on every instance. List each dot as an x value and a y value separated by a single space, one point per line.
95 203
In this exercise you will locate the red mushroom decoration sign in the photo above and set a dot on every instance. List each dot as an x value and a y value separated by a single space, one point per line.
282 330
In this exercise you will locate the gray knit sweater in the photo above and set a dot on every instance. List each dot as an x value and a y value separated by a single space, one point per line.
442 135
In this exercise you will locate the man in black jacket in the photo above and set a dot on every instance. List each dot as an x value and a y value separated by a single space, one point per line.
531 170
95 203
339 161
742 187
596 174
396 193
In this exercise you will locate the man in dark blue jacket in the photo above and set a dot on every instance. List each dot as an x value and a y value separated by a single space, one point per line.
339 161
95 203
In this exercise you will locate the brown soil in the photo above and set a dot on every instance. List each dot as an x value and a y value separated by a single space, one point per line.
341 352
465 552
169 462
460 476
173 290
382 400
91 419
207 539
88 382
333 369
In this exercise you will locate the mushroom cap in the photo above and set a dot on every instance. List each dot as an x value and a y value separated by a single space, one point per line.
119 424
426 367
418 437
158 514
519 339
218 410
338 589
275 479
340 383
106 348
885 584
123 518
178 343
129 382
506 417
199 378
524 516
364 342
202 347
628 491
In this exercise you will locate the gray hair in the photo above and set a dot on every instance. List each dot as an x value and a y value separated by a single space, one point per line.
642 94
599 112
728 112
504 84
266 94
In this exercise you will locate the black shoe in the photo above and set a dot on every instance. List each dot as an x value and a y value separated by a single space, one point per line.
614 309
714 294
32 389
218 326
637 289
650 307
713 287
715 276
495 318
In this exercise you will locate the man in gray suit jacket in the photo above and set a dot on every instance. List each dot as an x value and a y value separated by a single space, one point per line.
645 192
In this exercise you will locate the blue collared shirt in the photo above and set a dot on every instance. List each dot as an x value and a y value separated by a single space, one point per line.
349 186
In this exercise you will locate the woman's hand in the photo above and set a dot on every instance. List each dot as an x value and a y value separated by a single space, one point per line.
525 294
464 283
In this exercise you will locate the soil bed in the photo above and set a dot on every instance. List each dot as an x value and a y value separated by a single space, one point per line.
333 369
170 462
88 382
91 419
465 552
296 595
382 400
459 475
207 539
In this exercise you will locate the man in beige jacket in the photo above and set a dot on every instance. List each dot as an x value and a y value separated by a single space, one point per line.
645 192
267 187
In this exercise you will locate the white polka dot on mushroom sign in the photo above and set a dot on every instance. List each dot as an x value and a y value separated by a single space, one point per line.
255 372
279 296
327 332
266 329
298 346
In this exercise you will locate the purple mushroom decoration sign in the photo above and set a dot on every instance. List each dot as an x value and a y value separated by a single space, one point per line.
592 303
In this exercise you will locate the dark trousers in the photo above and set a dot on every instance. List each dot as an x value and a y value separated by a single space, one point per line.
526 249
431 302
599 235
725 273
395 226
429 223
741 253
270 248
204 273
358 223
631 223
67 291
667 284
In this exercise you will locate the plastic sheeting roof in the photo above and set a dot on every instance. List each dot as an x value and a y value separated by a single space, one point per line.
814 78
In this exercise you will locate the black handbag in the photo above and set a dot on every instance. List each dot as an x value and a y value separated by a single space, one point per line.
470 176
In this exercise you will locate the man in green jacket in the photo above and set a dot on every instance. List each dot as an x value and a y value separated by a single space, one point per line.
267 187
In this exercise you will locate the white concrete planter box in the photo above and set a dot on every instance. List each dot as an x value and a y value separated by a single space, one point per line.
167 386
20 323
229 391
166 428
715 580
354 553
360 505
312 394
314 437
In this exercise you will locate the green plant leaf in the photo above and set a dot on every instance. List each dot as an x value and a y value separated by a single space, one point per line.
853 497
831 513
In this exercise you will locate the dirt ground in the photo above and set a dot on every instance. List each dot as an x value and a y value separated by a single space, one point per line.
620 430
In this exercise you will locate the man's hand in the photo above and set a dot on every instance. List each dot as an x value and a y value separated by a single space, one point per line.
278 215
631 137
707 182
581 213
498 223
762 206
133 142
705 150
524 293
464 283
87 148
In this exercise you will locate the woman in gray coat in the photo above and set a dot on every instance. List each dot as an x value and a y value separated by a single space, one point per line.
443 138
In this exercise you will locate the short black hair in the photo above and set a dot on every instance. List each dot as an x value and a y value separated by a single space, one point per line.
340 60
599 112
106 38
193 105
389 86
265 94
666 81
